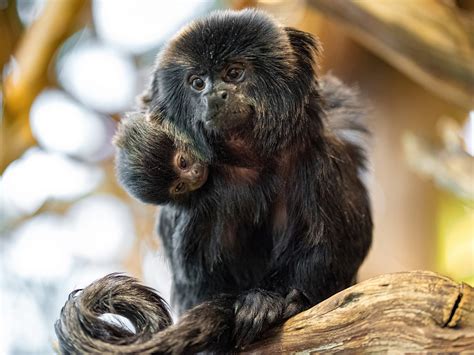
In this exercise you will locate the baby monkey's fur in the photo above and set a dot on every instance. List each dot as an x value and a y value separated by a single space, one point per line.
283 220
154 163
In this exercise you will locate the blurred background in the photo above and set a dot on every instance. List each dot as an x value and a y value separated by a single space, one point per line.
70 68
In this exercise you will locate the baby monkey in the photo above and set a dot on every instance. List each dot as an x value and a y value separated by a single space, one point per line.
155 163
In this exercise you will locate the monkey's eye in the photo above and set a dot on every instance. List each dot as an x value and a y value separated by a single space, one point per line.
182 163
197 83
234 73
179 188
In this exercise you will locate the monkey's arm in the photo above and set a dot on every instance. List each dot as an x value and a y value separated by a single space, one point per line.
329 209
295 285
319 251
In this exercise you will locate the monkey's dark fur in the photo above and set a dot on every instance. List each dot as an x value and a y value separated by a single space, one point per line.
284 219
81 330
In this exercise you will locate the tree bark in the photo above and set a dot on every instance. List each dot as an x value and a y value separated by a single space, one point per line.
407 312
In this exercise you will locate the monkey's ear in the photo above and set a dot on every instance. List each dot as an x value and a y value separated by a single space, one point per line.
144 99
306 47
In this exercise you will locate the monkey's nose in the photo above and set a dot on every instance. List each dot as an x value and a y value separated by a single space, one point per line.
222 94
216 100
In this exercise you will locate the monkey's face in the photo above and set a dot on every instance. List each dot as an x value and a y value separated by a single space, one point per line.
233 71
191 174
154 163
220 96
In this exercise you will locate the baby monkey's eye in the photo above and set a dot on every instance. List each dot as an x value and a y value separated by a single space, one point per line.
179 188
182 163
234 73
197 83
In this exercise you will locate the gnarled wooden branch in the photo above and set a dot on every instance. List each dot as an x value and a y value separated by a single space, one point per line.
408 311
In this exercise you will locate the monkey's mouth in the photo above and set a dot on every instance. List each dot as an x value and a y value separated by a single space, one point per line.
227 120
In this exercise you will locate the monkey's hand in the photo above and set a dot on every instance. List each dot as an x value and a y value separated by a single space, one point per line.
295 302
256 311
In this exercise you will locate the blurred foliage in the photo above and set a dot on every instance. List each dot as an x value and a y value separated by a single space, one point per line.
455 239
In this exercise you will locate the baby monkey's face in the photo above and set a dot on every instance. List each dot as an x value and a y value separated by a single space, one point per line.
191 174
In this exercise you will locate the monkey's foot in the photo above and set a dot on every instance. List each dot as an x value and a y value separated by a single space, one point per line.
256 311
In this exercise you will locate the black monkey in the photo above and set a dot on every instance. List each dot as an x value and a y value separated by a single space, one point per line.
241 81
245 89
153 164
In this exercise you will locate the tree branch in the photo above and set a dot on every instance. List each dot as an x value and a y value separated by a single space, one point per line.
408 311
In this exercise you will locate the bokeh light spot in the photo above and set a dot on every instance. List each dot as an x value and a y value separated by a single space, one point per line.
140 25
99 76
38 249
61 124
38 176
103 228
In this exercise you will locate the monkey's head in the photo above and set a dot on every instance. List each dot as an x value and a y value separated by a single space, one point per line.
235 71
155 164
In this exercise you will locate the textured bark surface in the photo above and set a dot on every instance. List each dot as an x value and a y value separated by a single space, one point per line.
408 311
431 41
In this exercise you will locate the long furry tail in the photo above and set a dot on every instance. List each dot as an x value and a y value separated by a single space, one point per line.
81 328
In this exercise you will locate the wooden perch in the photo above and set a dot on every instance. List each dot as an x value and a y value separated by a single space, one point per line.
408 311
428 40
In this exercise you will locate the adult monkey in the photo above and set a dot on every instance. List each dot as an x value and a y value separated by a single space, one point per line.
242 85
240 80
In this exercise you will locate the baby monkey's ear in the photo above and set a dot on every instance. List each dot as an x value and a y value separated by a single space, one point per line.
305 46
143 100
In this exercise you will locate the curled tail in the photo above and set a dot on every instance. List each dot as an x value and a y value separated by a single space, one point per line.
81 328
